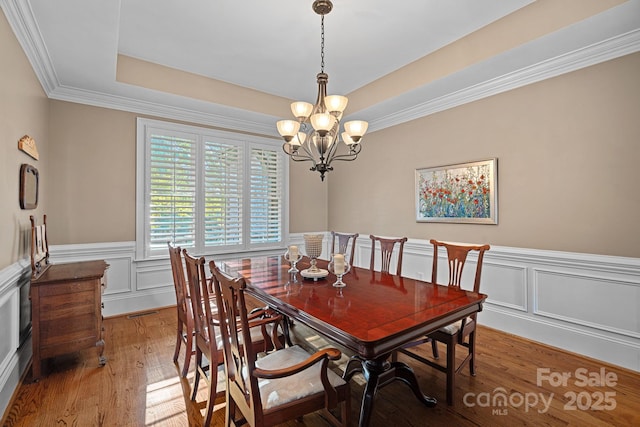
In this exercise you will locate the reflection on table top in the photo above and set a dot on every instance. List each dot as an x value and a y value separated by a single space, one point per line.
373 315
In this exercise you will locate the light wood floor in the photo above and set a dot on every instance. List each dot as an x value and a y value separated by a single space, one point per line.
140 386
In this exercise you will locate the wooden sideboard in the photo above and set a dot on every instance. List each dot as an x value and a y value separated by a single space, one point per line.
66 311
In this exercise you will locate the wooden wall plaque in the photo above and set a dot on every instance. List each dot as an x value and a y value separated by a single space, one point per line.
28 145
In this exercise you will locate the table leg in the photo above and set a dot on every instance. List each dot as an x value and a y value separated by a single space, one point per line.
404 373
354 366
378 373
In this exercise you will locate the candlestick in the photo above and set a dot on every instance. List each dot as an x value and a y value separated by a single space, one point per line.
339 266
293 256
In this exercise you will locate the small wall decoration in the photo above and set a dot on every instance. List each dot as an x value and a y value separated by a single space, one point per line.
459 193
29 183
28 145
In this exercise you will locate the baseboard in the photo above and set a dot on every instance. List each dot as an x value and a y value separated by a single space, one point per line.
611 348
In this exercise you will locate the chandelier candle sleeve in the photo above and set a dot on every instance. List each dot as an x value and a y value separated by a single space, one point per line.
338 264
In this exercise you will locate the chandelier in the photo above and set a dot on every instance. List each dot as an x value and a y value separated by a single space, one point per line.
315 134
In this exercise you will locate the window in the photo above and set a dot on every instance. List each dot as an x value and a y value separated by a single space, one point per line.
208 191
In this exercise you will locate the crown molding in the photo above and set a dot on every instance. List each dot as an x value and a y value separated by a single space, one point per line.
235 119
596 53
21 19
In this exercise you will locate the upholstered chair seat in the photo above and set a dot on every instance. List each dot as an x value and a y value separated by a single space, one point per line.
280 391
453 328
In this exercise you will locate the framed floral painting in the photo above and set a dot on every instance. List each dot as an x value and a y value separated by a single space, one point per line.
462 193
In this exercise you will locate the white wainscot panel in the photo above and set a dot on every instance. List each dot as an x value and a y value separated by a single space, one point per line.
118 275
415 265
364 255
9 331
603 303
505 285
154 277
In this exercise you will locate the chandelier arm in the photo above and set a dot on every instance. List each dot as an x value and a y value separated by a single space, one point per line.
300 157
330 155
353 154
345 157
306 146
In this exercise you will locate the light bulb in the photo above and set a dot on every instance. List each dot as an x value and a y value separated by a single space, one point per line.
288 128
298 139
322 122
336 104
301 110
347 139
356 129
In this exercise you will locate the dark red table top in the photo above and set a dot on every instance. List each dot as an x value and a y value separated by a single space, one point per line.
373 315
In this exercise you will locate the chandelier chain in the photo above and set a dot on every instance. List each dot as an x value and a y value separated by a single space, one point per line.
322 44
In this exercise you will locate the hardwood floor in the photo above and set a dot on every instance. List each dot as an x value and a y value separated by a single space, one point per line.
140 386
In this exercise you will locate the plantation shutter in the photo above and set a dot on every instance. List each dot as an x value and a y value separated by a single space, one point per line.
211 191
223 188
266 185
172 190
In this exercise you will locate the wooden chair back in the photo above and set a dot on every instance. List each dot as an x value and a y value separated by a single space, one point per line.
199 296
185 327
386 252
181 289
242 387
456 259
39 247
206 342
343 244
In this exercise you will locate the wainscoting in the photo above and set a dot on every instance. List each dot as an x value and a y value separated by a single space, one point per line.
583 303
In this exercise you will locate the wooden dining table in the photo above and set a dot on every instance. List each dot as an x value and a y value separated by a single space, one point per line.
373 315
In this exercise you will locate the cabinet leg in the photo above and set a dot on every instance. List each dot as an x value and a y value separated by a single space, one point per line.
36 365
102 360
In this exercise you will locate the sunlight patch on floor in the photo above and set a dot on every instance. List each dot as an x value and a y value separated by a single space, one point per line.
165 393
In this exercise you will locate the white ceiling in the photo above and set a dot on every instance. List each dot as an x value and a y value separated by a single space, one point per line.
274 46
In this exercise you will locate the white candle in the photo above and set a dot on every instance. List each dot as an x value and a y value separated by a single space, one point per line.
338 264
293 253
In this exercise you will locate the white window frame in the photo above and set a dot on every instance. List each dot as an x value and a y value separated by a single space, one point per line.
144 126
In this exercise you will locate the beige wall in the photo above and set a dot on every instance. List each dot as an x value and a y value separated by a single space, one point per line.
568 154
93 168
23 110
92 161
308 198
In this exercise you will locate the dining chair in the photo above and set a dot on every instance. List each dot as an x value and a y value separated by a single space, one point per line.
39 247
462 332
208 339
386 251
207 336
283 385
185 329
343 244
